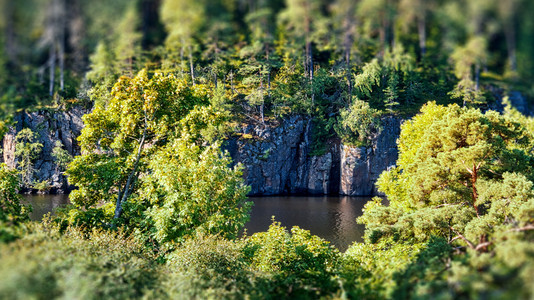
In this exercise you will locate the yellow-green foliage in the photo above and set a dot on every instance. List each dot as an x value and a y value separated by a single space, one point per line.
12 213
359 124
392 270
27 150
193 189
463 177
293 264
208 267
369 268
140 106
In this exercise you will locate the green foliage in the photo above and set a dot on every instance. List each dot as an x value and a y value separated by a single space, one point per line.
292 264
359 124
464 177
209 267
42 187
269 265
118 137
27 149
325 104
192 189
62 157
389 82
117 53
444 148
472 55
290 90
389 269
206 124
147 149
102 74
12 212
47 264
85 219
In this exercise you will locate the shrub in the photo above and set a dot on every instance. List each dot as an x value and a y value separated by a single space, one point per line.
359 124
75 265
12 213
208 267
292 265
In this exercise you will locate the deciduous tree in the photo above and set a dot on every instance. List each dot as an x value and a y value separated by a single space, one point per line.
119 137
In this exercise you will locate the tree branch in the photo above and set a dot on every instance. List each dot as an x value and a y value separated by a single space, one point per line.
462 237
525 228
482 245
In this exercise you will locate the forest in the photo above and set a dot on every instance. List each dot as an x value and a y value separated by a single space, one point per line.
159 207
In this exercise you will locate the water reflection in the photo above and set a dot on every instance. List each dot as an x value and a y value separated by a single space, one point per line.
332 218
43 204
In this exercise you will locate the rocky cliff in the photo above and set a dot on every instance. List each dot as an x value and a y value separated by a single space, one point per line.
277 160
51 126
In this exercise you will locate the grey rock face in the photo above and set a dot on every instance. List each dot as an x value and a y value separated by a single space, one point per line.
271 157
277 161
519 102
361 166
51 126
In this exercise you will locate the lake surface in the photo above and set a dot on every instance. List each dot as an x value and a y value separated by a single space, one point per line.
331 217
43 204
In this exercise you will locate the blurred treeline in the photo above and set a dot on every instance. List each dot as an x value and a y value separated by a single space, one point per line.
272 57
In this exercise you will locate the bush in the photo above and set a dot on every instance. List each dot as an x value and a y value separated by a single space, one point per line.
359 124
292 265
12 213
75 265
208 267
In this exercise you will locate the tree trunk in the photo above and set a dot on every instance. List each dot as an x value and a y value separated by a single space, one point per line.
61 53
382 37
348 40
310 58
52 66
10 46
421 29
307 31
129 182
76 34
509 33
191 65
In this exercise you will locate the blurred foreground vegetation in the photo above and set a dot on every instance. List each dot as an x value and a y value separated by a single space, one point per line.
158 208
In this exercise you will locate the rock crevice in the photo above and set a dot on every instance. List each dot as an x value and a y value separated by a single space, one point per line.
276 160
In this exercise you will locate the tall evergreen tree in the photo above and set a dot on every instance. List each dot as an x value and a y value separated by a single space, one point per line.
182 20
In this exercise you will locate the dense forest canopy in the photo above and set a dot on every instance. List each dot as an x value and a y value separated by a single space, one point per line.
158 206
273 57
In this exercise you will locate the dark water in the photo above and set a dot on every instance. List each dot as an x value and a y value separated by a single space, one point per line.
43 204
332 218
